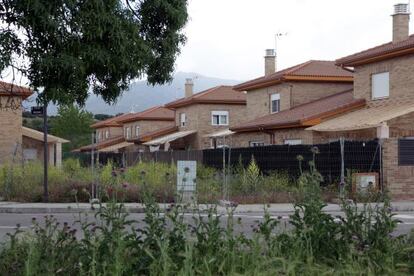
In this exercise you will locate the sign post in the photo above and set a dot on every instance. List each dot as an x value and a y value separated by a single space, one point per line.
37 110
45 156
42 111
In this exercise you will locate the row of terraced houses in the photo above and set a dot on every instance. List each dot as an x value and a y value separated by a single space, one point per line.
364 96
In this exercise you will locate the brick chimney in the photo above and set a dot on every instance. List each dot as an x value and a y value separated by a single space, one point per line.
401 22
189 87
270 61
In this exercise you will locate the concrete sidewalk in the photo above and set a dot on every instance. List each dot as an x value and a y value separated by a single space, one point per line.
36 208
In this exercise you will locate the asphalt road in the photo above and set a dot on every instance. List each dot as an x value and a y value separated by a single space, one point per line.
8 222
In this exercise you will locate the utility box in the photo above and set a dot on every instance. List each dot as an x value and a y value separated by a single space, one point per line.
365 183
186 180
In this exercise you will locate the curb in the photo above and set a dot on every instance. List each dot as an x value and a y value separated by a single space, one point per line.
241 209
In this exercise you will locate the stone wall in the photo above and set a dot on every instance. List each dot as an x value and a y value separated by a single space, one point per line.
291 94
146 126
398 180
11 128
29 143
199 119
401 71
112 132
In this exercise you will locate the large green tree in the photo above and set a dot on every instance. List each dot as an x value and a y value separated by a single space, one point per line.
66 47
72 123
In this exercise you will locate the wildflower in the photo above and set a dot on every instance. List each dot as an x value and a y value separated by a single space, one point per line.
122 170
114 174
299 158
109 190
315 150
125 185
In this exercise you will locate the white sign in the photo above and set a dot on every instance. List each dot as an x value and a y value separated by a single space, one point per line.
186 176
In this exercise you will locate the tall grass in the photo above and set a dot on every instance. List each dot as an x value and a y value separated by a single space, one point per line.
245 185
168 244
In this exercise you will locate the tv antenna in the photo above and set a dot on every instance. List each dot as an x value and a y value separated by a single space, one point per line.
278 35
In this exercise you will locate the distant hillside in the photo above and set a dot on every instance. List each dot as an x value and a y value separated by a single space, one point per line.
141 96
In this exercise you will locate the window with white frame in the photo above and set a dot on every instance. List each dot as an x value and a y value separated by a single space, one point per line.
256 143
220 118
293 142
128 133
107 134
183 119
274 103
380 85
99 136
136 131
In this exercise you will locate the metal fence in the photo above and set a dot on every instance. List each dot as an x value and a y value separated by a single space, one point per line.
358 157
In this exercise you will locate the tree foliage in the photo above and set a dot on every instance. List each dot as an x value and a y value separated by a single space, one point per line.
72 123
66 47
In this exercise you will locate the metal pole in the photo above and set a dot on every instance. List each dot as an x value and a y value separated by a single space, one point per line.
342 184
45 155
224 167
93 166
381 179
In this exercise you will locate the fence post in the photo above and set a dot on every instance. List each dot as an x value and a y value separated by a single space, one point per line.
342 184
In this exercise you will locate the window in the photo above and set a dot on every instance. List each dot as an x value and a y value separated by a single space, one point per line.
99 135
274 103
136 131
183 119
256 144
220 118
380 85
406 152
107 134
293 142
128 133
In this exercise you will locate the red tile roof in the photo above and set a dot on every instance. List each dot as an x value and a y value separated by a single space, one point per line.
102 144
217 95
9 89
148 136
158 113
307 114
111 122
313 70
380 52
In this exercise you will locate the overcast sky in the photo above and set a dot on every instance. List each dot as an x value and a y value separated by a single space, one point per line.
227 38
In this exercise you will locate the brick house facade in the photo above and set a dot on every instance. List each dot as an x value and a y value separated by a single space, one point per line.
295 87
11 124
384 78
18 143
123 133
200 114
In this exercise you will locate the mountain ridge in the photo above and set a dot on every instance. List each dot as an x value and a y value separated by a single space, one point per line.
140 96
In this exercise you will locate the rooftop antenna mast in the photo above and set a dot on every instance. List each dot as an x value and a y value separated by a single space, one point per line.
278 35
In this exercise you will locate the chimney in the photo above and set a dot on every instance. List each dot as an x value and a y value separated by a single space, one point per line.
188 87
401 22
270 61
